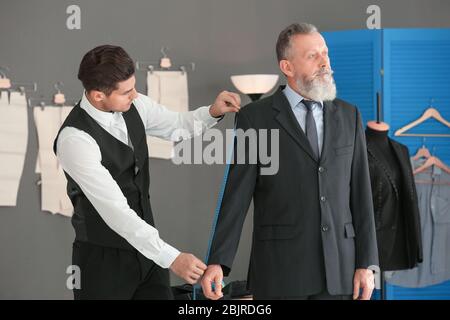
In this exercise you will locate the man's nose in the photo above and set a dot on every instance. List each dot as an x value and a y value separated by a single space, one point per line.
134 94
324 62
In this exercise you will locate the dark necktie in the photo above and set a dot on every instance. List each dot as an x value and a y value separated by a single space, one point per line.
310 127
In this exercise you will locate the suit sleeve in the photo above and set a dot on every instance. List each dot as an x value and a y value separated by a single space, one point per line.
361 203
236 200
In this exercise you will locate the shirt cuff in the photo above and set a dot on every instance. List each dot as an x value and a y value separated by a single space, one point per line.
208 118
167 256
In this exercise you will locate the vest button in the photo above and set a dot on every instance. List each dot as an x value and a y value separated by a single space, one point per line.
325 228
321 169
323 199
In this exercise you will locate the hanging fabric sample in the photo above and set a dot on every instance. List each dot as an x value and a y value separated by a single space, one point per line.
433 190
53 182
169 88
13 145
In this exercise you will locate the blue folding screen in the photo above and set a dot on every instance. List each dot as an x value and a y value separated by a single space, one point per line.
356 60
417 69
415 64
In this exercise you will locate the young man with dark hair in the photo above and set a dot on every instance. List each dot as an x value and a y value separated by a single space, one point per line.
103 151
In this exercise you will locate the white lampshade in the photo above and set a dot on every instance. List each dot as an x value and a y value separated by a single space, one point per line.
255 83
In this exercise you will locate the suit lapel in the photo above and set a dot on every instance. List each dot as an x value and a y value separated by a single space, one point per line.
404 167
286 118
372 153
331 127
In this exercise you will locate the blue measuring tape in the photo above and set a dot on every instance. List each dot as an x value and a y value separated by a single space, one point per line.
218 206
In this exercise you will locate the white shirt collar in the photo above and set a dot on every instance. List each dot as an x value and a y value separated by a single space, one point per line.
103 117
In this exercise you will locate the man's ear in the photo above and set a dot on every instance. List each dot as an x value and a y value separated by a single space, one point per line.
96 95
286 68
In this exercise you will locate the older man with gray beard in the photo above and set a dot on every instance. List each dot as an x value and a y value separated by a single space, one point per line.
313 229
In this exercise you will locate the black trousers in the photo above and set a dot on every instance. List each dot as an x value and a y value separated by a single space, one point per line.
320 296
326 296
110 273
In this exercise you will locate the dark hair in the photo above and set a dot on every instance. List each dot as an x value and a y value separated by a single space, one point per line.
103 67
284 39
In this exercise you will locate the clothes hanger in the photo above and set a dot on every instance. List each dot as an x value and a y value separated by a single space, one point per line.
431 112
165 62
378 125
436 162
423 152
5 83
59 98
432 161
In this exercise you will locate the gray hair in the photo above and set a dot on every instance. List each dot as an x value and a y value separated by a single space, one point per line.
284 39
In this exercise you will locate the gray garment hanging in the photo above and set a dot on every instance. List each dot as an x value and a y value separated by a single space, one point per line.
434 206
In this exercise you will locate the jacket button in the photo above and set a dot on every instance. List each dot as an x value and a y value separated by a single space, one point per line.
323 199
321 169
325 228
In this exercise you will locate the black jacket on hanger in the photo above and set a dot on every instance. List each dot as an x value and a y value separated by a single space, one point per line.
395 202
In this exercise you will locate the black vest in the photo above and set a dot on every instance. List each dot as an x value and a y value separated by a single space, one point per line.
128 167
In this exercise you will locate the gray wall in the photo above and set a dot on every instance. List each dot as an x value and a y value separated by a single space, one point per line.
222 37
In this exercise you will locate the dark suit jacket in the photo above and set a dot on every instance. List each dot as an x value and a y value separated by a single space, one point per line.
313 220
386 193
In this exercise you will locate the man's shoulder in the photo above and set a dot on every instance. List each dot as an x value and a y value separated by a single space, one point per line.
74 135
344 105
143 104
258 107
400 146
142 101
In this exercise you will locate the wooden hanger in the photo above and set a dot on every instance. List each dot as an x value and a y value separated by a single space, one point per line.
5 83
438 183
432 161
423 152
429 113
59 97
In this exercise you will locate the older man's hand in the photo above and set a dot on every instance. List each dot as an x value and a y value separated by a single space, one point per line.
364 279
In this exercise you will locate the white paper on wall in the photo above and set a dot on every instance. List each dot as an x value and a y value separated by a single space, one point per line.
54 197
13 145
170 89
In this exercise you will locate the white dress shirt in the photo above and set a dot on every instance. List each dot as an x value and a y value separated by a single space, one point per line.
79 155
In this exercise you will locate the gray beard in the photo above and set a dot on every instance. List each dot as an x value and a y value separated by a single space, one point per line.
319 88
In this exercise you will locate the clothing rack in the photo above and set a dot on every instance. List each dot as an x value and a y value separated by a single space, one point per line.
20 87
9 86
32 102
